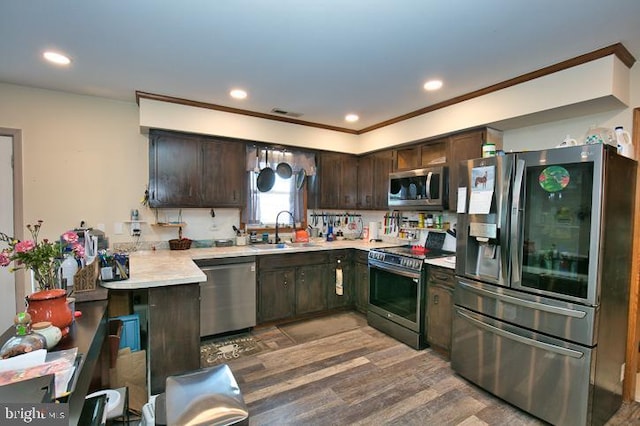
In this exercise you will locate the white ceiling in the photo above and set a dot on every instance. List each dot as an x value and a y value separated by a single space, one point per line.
323 59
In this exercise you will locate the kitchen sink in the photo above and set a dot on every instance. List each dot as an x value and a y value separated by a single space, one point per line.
282 246
306 244
265 247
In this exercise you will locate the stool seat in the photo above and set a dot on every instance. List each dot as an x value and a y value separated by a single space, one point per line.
209 396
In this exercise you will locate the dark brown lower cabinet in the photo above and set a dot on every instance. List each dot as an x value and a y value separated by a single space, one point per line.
440 285
361 280
276 294
339 259
310 289
174 332
292 285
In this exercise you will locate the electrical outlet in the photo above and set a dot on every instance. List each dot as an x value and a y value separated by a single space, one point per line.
135 229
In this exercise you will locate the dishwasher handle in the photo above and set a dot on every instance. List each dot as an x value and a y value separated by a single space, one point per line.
228 266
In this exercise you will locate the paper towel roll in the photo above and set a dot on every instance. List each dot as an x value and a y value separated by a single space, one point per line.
373 230
339 281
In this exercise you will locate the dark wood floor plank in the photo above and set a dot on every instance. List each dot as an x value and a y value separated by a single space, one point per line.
365 377
302 380
311 406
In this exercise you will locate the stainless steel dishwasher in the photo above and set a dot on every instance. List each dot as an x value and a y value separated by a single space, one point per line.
228 297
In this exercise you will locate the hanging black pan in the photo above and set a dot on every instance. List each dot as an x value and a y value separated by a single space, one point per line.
284 169
266 177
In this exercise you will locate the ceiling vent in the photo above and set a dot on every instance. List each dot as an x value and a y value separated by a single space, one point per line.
280 111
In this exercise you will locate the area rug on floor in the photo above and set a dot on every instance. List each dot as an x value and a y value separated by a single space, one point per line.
305 331
225 349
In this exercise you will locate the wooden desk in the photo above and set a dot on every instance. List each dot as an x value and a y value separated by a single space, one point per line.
87 333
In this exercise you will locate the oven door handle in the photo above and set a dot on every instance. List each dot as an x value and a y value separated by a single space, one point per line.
395 270
525 340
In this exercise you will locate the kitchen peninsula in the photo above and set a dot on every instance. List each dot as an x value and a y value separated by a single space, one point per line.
169 280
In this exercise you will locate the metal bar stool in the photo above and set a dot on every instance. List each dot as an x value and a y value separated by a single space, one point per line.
209 396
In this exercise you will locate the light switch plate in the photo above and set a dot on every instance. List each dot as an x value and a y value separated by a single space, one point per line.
117 228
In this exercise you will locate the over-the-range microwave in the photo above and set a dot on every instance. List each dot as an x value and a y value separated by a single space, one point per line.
419 189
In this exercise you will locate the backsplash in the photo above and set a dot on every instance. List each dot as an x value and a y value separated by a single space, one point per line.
202 227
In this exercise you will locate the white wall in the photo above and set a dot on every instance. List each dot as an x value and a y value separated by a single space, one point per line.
598 85
550 134
83 157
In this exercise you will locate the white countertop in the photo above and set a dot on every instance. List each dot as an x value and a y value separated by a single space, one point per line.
448 262
172 267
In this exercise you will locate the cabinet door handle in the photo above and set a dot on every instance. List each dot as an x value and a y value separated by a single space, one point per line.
436 299
442 277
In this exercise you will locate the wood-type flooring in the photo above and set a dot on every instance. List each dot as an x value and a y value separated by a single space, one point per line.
363 377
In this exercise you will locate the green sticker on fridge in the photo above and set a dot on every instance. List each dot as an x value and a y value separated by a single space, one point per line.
554 178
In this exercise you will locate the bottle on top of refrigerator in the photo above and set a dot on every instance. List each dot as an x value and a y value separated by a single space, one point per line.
623 142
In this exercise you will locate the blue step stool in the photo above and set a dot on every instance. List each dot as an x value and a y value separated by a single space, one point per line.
130 335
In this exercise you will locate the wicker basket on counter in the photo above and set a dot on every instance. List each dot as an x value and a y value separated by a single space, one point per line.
180 244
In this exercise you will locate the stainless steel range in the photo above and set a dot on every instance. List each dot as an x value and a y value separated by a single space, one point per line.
397 289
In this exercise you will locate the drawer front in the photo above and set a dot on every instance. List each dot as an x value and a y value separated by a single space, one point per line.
441 276
275 261
546 377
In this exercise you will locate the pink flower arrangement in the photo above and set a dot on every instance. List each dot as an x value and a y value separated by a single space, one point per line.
42 257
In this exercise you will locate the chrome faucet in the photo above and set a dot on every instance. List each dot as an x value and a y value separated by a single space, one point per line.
292 218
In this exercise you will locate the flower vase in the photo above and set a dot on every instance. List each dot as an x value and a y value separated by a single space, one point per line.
45 277
50 305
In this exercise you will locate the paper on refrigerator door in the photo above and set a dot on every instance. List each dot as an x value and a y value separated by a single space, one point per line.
462 200
482 185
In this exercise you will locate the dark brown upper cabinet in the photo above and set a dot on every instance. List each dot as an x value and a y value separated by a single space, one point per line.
373 180
187 170
335 185
447 151
465 146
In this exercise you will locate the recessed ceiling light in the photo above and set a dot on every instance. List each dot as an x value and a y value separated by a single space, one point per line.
56 58
351 118
433 85
238 94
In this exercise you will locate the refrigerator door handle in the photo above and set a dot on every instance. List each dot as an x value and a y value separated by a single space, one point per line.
515 222
524 303
530 342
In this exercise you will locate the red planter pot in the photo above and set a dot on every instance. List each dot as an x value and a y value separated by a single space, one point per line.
50 305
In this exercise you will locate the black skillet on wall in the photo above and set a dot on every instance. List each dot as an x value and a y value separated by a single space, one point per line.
266 177
283 169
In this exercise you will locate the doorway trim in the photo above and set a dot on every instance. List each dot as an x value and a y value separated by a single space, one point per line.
18 206
633 328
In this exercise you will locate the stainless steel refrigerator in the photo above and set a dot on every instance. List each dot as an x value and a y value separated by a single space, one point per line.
543 262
